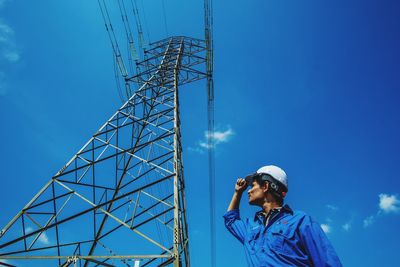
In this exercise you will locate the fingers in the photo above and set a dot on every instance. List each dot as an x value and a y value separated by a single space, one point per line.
241 182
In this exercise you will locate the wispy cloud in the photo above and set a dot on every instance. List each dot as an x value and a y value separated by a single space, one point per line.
196 149
368 221
346 227
389 203
220 136
8 46
42 238
9 52
6 33
332 207
11 56
339 223
326 228
216 138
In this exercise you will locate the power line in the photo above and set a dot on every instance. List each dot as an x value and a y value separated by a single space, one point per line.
138 26
116 76
112 37
165 18
145 22
132 55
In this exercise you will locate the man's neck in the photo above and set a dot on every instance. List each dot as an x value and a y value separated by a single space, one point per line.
268 206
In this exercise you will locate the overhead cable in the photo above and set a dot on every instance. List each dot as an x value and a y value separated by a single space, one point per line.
138 26
132 55
112 37
117 81
145 22
165 18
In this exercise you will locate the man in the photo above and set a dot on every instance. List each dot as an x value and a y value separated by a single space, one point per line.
277 236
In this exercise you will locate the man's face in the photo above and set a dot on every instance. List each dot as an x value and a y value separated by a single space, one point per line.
256 194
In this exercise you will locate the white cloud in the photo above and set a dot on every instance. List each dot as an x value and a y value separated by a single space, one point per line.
389 203
11 56
8 46
6 33
368 221
327 228
217 138
42 238
346 226
220 137
205 145
332 207
196 149
8 50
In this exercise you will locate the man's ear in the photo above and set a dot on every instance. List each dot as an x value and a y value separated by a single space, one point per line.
265 187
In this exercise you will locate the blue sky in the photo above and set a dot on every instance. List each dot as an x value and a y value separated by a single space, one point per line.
311 86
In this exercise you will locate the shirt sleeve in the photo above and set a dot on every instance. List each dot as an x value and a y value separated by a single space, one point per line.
317 245
235 225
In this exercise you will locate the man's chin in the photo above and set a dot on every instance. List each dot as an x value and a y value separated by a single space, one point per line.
251 202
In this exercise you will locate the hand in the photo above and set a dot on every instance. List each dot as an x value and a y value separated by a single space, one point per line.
240 185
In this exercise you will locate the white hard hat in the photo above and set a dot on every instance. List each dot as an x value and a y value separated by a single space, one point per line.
276 173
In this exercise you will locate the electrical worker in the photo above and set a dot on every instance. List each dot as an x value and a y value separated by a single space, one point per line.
277 236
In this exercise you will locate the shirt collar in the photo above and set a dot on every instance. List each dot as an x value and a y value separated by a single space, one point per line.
261 215
287 209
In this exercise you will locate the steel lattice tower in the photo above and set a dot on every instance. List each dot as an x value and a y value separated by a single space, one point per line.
120 200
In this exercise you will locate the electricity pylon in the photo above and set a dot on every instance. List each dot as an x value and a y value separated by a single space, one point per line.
120 200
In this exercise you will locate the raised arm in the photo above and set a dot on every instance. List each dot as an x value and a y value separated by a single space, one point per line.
240 186
232 218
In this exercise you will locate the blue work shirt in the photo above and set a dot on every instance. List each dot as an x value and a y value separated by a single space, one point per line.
291 238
